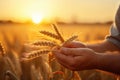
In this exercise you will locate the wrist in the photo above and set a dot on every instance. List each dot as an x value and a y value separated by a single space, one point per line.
99 61
103 61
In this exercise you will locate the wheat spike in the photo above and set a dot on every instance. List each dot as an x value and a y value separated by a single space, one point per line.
58 33
71 39
10 75
2 49
47 33
36 54
44 43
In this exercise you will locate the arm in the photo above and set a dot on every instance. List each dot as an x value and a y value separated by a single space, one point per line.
97 47
108 62
103 46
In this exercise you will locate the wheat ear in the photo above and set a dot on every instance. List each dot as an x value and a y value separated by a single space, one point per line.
71 39
47 33
11 75
58 33
44 43
36 54
2 49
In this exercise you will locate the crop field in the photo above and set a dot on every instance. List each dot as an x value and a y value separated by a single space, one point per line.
15 38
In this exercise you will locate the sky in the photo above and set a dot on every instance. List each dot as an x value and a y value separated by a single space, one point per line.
65 10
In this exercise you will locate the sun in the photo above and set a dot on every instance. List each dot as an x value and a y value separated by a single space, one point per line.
37 18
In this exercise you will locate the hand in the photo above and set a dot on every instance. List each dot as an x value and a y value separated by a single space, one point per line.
74 44
76 58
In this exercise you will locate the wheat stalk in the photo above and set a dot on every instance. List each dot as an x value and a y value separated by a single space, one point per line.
58 33
10 64
34 73
10 75
76 75
47 33
44 43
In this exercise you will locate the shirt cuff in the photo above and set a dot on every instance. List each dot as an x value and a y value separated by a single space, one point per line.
114 41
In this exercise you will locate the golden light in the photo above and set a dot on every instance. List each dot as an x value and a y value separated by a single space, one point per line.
37 18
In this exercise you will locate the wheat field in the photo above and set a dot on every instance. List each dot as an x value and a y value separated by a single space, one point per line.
14 37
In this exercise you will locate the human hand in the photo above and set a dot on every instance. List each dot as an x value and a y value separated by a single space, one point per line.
74 44
76 58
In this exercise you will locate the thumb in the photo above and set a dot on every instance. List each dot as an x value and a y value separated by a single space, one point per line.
73 51
68 51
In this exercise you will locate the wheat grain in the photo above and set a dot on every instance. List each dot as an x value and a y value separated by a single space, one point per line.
44 43
36 54
52 35
2 49
58 33
71 39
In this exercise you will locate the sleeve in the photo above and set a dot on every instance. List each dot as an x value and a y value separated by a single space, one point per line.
114 36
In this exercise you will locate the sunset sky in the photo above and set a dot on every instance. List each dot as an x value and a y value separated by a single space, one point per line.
66 10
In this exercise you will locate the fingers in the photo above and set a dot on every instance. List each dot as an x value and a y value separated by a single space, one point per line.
67 61
74 58
74 44
63 59
60 56
73 51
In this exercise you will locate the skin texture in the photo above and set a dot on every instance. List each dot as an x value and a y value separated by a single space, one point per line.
77 56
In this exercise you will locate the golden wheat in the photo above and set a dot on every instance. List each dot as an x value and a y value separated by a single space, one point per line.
58 33
44 43
2 49
36 54
47 46
71 39
8 62
52 35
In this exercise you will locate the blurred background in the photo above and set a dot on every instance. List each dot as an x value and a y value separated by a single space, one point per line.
83 15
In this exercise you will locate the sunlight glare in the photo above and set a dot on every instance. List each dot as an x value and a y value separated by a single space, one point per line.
37 18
